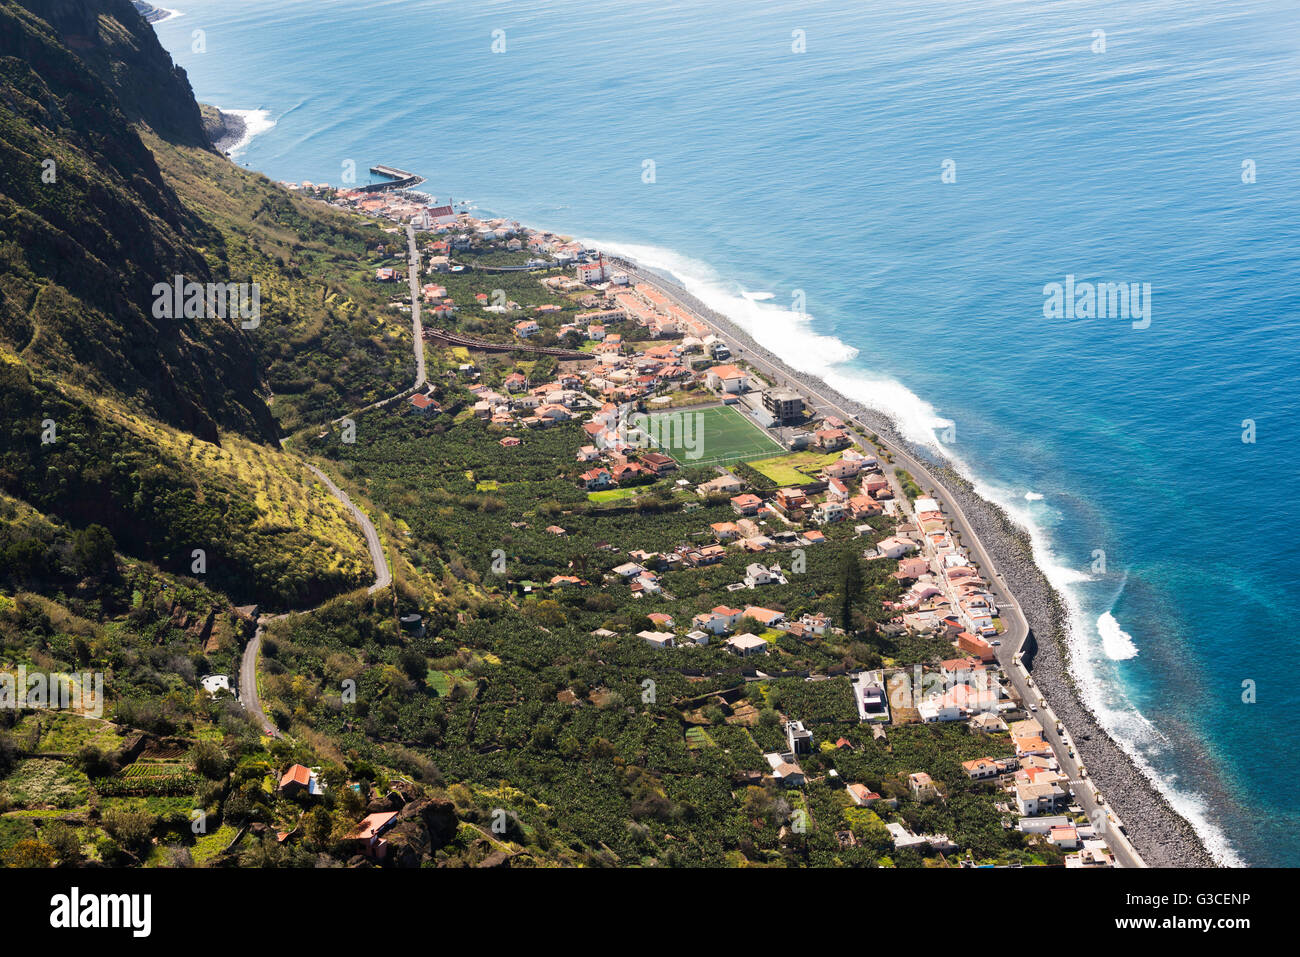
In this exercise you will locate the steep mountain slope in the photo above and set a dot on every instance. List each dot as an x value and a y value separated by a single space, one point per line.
90 227
160 428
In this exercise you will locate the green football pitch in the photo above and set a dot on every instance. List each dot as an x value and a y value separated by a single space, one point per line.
718 435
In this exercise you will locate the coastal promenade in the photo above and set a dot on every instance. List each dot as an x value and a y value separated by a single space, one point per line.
1016 624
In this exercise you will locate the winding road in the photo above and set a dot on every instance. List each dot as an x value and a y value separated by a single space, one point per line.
248 695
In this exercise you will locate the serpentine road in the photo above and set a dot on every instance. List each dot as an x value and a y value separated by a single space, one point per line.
248 695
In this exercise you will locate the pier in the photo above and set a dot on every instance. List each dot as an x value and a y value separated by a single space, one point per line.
398 179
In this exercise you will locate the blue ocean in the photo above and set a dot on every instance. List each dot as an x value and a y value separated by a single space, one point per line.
881 192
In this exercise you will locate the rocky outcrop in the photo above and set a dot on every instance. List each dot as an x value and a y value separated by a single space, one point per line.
423 827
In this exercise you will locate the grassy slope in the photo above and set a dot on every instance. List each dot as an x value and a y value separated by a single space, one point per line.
327 340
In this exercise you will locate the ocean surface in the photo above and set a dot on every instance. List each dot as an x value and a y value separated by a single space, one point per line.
797 157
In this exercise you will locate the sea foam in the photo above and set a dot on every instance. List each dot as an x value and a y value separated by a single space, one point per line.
255 123
916 420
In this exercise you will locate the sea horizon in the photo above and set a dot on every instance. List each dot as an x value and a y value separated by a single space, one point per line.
829 225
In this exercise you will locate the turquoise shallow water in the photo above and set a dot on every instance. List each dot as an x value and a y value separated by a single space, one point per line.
820 171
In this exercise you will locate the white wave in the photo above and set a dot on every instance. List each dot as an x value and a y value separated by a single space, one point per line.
758 296
1099 687
826 357
917 421
255 123
1115 641
170 15
1033 497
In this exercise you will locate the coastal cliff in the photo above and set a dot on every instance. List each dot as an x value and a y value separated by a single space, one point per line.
159 427
122 50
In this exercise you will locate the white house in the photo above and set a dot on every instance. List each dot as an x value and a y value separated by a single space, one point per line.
1034 799
726 378
828 512
938 708
592 272
756 574
656 639
746 644
895 547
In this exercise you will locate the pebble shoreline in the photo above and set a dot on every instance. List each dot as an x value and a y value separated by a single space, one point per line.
1161 835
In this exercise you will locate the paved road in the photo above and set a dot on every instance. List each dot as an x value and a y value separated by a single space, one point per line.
417 327
248 696
1016 625
383 577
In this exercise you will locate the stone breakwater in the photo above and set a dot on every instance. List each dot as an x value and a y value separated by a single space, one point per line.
1161 835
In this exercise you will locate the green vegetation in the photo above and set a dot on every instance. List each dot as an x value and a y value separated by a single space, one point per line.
514 701
796 468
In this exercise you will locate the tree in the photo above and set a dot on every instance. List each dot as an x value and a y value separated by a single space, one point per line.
133 830
318 827
93 549
65 841
850 575
210 760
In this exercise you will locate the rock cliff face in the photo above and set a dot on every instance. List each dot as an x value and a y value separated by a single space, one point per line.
120 47
89 227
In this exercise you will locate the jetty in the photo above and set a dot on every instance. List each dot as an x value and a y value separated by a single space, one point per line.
397 179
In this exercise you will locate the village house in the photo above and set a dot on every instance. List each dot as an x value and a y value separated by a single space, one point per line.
368 836
785 770
981 769
894 547
722 485
1035 799
423 404
746 644
719 620
828 512
725 531
656 639
299 779
767 617
757 575
831 439
798 737
922 787
790 501
726 378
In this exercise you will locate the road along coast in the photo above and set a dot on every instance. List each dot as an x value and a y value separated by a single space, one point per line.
1162 836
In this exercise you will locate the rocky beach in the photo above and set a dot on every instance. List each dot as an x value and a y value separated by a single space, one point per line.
225 130
1161 835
